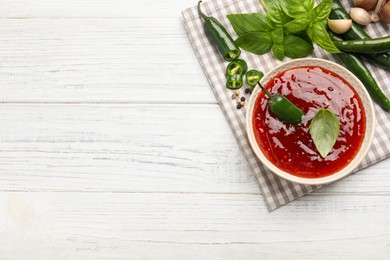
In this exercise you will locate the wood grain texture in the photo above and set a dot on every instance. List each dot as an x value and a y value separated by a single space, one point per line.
134 148
92 8
112 146
191 226
99 60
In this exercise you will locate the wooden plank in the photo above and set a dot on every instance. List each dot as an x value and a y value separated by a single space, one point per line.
135 148
120 148
191 226
92 8
99 60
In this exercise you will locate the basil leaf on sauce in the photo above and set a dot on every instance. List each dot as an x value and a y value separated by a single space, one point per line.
324 130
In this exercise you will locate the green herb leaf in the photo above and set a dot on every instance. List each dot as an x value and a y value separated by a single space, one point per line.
324 130
297 8
247 23
276 14
321 12
295 47
278 51
297 25
320 36
257 42
277 35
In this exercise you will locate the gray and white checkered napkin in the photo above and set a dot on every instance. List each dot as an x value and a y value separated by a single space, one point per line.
276 191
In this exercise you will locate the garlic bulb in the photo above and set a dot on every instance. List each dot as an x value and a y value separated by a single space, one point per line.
340 26
367 5
360 16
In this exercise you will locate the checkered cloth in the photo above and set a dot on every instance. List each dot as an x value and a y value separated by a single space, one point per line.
276 191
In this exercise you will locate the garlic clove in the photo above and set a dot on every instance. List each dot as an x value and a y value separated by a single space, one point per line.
360 16
340 26
367 5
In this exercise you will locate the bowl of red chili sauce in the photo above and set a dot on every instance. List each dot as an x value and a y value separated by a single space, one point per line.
287 149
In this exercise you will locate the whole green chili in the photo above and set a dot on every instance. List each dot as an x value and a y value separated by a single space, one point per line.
283 108
222 39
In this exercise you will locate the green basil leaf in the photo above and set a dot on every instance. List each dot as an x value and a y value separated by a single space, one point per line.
257 42
295 47
297 25
277 35
278 51
297 8
321 11
324 130
246 23
320 36
276 14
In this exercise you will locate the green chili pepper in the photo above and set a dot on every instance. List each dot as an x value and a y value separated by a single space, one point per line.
253 76
377 45
234 81
357 33
357 67
222 39
236 67
283 108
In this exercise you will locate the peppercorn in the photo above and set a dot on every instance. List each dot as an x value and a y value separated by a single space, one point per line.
238 100
237 92
238 106
247 90
234 96
242 98
242 103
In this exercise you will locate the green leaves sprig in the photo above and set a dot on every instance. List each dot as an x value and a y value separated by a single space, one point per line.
288 28
324 130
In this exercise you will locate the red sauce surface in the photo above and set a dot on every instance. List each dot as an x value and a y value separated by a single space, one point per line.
290 146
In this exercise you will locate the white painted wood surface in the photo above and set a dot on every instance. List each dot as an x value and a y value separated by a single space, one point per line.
113 147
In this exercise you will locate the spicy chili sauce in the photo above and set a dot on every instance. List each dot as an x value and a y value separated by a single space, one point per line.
290 146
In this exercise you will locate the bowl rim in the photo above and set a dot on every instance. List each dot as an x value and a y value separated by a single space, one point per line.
368 136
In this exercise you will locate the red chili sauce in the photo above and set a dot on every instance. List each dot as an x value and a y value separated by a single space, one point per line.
290 146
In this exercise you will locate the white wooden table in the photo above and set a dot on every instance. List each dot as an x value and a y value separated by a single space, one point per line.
113 147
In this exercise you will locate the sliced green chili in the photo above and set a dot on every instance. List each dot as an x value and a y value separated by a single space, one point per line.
222 39
283 108
236 67
253 76
234 81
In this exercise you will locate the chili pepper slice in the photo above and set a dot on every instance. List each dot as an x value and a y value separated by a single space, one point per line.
222 39
236 67
253 76
283 108
234 81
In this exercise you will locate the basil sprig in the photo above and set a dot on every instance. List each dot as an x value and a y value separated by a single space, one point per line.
324 130
289 28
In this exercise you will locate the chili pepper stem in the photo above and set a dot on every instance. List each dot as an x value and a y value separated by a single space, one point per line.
265 90
205 17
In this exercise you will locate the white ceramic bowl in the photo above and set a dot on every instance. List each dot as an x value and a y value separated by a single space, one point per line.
361 91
